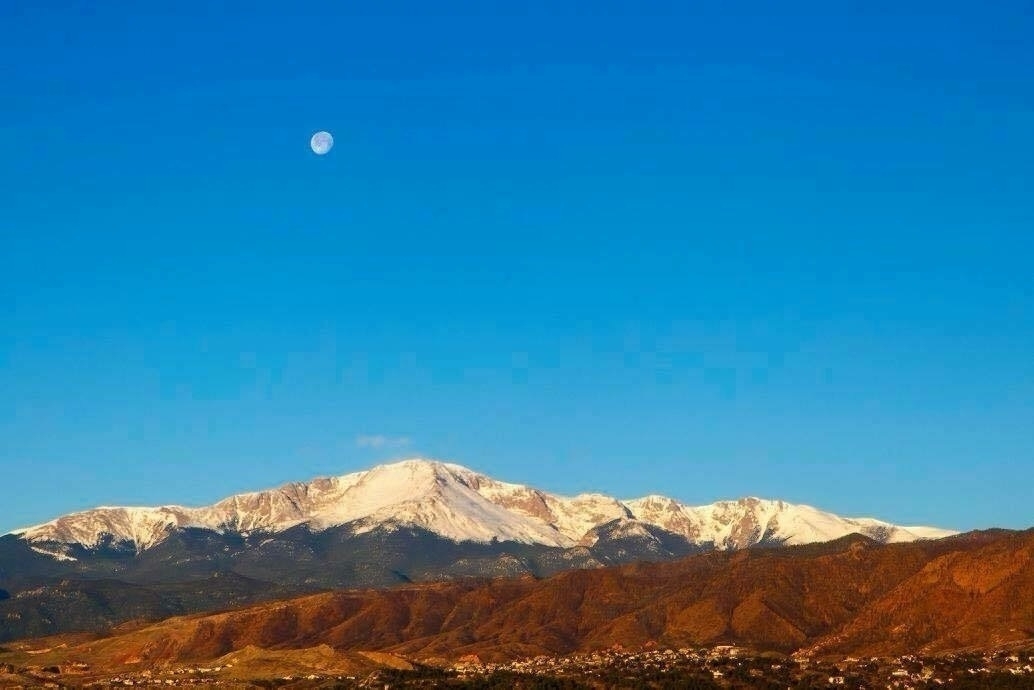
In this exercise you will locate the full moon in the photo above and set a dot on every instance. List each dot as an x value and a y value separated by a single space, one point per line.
321 142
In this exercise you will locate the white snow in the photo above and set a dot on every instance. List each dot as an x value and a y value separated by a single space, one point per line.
460 504
56 555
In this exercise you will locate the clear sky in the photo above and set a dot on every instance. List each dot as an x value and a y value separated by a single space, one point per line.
772 249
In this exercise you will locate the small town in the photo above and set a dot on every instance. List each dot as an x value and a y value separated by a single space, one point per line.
732 667
721 666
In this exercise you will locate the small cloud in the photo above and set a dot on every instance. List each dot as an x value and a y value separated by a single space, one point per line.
380 441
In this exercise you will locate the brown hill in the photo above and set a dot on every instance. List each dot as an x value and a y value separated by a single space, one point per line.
846 597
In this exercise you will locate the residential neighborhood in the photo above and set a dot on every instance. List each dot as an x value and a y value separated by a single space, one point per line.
722 666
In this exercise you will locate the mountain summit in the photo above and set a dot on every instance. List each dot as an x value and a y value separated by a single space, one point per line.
458 504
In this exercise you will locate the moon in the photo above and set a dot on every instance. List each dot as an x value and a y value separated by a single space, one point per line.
321 143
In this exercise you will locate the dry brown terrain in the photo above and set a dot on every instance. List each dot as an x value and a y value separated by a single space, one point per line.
846 597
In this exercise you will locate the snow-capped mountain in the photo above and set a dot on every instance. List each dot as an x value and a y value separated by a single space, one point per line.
461 505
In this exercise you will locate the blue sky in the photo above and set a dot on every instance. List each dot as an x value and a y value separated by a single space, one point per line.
734 250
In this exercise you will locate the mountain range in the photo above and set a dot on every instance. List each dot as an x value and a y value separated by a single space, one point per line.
852 596
409 521
458 504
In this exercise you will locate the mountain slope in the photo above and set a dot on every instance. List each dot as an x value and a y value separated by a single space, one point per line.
456 503
851 596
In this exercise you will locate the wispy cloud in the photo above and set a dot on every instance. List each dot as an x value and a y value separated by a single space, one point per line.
381 441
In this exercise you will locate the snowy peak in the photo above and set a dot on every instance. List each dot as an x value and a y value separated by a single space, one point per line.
748 521
457 503
621 528
442 498
143 527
